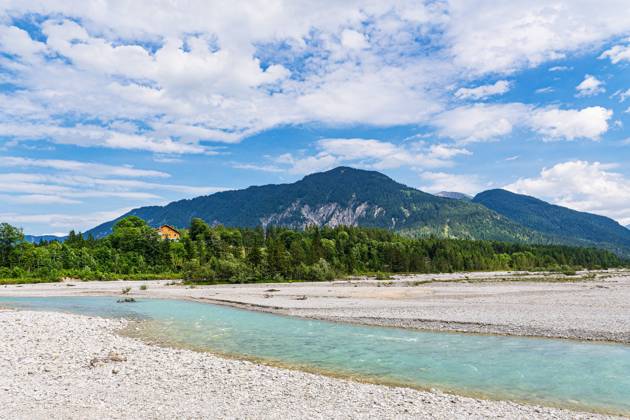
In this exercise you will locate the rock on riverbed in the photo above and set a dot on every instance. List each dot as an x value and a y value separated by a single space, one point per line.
68 366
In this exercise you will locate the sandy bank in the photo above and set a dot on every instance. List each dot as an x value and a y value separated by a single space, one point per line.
67 366
592 307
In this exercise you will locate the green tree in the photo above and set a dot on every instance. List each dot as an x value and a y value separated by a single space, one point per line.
10 236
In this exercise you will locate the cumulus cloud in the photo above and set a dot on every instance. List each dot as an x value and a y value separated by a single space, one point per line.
483 122
480 122
488 36
353 39
480 92
212 73
617 53
570 124
590 86
586 186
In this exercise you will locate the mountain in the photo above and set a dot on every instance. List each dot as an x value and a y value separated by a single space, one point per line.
562 224
454 195
339 196
35 239
628 227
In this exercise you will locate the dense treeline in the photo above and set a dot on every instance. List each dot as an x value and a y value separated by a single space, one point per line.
220 254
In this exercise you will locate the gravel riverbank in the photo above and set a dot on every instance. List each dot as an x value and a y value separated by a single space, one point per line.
68 366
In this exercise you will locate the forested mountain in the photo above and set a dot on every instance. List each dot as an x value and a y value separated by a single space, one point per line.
566 225
353 197
342 196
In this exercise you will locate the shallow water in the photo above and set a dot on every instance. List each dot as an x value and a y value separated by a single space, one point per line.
594 376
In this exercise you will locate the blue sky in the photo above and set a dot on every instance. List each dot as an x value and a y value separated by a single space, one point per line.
105 107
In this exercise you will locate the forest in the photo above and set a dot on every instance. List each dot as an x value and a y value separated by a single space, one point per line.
217 254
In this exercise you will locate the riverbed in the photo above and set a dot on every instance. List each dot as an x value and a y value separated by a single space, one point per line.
59 365
590 306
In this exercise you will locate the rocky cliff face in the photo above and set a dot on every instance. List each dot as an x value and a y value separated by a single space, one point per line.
299 215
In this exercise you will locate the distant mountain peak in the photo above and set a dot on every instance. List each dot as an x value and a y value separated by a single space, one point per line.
454 195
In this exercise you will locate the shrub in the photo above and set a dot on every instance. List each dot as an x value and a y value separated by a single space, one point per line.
194 272
320 271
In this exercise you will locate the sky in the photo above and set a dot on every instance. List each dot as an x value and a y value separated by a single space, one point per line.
110 105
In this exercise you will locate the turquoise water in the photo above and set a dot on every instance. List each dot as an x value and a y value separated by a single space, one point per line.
568 373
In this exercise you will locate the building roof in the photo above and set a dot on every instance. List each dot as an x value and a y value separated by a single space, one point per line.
171 228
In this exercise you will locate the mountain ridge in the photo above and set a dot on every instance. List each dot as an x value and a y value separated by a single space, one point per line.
566 225
348 196
340 196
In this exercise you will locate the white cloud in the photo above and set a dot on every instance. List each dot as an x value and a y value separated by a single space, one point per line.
488 36
353 40
71 185
586 186
590 86
219 74
215 73
17 41
570 124
306 164
482 122
617 53
560 68
96 136
365 153
480 92
36 199
43 223
442 181
257 167
94 169
547 89
622 94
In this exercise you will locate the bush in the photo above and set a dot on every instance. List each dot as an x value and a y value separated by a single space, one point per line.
320 271
230 270
194 272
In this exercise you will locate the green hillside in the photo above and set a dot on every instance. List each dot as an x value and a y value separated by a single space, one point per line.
563 224
342 196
